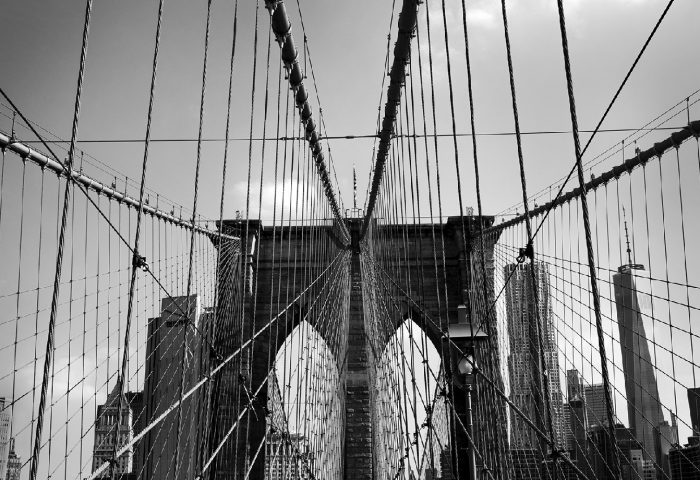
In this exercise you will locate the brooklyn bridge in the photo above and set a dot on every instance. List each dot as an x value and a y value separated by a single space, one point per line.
207 274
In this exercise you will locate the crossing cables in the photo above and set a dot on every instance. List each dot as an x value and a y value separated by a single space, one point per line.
402 54
59 254
282 28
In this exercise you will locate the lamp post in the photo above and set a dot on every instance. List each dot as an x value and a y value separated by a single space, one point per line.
466 367
465 335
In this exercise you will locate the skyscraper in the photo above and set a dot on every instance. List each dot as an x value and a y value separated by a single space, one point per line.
643 405
14 463
602 454
574 390
596 405
5 422
694 405
526 386
685 461
171 336
579 427
287 458
106 423
574 384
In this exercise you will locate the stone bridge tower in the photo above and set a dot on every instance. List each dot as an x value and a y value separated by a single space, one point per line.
279 254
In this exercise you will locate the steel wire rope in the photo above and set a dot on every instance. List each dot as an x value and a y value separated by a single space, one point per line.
137 259
617 93
395 304
70 177
483 375
415 149
305 274
503 259
274 209
295 228
217 286
38 280
322 121
477 182
521 384
582 317
201 382
59 256
586 223
285 394
188 311
359 136
618 391
430 196
416 234
400 228
529 249
404 213
668 292
381 96
478 452
19 281
254 281
89 159
260 200
274 225
608 152
592 185
624 288
232 428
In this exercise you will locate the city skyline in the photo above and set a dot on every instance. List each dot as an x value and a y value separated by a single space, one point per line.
528 303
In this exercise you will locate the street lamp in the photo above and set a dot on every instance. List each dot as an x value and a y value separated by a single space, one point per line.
465 335
466 367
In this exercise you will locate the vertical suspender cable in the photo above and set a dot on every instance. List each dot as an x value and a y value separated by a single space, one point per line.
589 242
188 311
480 226
212 333
605 114
282 28
59 254
529 250
137 261
402 53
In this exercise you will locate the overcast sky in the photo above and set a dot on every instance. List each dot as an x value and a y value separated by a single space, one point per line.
347 41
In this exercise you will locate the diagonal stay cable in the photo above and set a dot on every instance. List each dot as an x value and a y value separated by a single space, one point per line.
605 114
70 176
137 260
479 372
59 253
218 368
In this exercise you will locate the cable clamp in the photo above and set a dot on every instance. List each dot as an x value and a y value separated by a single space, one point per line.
526 252
271 5
251 400
695 128
139 261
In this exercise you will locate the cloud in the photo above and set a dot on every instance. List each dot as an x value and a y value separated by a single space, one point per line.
278 201
481 17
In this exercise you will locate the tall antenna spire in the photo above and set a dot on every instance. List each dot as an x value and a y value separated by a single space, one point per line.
627 237
629 266
354 187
